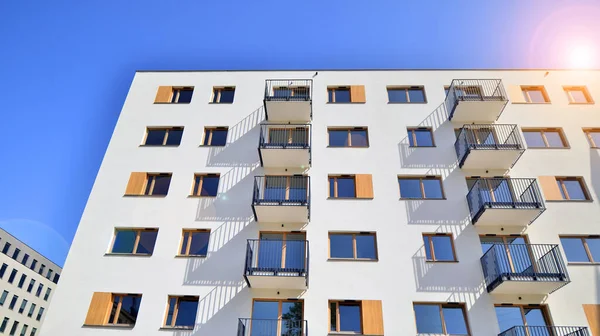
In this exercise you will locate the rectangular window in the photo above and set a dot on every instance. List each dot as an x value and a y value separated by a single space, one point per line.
31 310
421 187
42 268
545 138
47 295
355 246
345 316
49 275
56 277
33 264
33 331
181 311
124 309
16 253
205 185
5 248
24 330
12 275
30 286
406 94
439 247
148 184
215 136
223 95
572 188
194 242
420 137
134 241
3 270
22 280
441 318
535 94
41 312
348 137
13 302
39 290
23 305
163 136
13 329
346 94
593 136
578 95
182 95
4 324
3 297
25 258
342 186
581 249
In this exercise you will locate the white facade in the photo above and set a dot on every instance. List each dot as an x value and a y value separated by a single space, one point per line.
401 275
10 262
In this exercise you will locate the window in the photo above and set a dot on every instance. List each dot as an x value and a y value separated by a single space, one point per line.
578 95
4 324
174 94
31 310
25 258
408 94
535 94
267 312
42 269
441 318
33 263
194 242
420 137
346 94
3 270
181 311
49 275
421 187
163 136
22 280
124 309
148 184
223 94
22 308
16 253
348 137
40 313
30 286
33 331
56 277
5 248
545 138
12 275
572 188
536 316
205 185
13 302
356 246
134 241
47 295
439 247
593 136
3 297
351 186
582 249
24 330
345 316
14 327
215 136
39 290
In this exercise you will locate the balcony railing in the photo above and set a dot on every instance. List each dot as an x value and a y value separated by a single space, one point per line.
267 327
524 263
545 331
285 136
288 90
504 193
487 137
475 90
277 258
281 190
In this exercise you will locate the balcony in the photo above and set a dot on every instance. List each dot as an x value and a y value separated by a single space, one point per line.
284 145
475 100
504 201
488 146
545 331
278 264
281 199
524 269
266 327
288 100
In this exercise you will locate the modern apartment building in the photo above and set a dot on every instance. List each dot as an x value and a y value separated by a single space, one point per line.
375 202
27 284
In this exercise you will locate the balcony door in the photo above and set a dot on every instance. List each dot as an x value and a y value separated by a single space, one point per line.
297 136
285 188
493 190
468 92
512 255
282 251
481 136
535 319
277 318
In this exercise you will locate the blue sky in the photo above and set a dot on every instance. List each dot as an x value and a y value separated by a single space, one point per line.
65 67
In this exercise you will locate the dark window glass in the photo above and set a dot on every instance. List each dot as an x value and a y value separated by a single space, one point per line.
219 138
350 318
25 258
3 270
39 290
330 96
33 264
40 313
410 188
12 276
365 247
186 314
22 307
22 280
3 297
442 246
33 331
509 317
185 96
338 138
397 96
42 268
24 330
210 184
171 311
199 243
147 242
433 188
534 139
161 184
13 302
174 138
359 138
47 295
14 327
342 95
340 246
4 323
428 319
455 321
416 95
423 138
56 277
331 187
30 286
49 274
124 241
16 253
227 96
130 305
155 137
5 248
31 310
345 187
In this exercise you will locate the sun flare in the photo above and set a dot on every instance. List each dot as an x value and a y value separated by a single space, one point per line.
581 56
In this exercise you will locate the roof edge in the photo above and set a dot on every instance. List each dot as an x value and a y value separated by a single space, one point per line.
374 69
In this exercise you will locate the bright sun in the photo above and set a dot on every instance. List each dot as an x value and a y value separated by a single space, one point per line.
581 56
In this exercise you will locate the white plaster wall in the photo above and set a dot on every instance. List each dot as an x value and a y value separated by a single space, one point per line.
400 277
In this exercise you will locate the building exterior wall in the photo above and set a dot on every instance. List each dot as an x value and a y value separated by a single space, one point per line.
400 276
13 289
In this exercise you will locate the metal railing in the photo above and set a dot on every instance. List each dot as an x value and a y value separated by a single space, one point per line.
272 257
288 90
487 137
285 136
474 90
523 262
281 190
545 331
272 327
504 193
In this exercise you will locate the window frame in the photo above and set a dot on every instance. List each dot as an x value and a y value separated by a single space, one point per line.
560 180
13 302
354 246
332 89
201 182
189 243
412 134
138 234
210 131
432 249
148 190
12 275
165 138
115 320
38 292
47 294
22 280
583 89
176 310
176 93
22 306
584 243
335 186
40 313
525 89
422 186
349 133
542 307
337 315
217 92
588 131
441 306
406 89
542 132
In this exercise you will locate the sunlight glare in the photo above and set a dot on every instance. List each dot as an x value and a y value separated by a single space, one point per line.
581 56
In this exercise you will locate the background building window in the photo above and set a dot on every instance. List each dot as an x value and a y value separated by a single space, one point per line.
345 317
357 246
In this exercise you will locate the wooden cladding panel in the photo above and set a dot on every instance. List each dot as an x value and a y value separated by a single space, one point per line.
592 312
364 186
550 188
372 317
99 308
357 94
136 183
515 93
163 95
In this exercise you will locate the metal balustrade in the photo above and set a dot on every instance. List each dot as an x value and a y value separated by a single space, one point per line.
540 263
489 137
288 90
285 145
475 90
272 327
281 190
274 257
545 331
